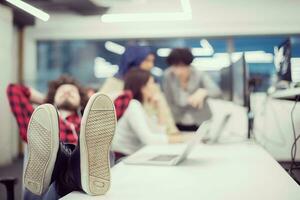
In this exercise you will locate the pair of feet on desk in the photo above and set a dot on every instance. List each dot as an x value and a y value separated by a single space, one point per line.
84 167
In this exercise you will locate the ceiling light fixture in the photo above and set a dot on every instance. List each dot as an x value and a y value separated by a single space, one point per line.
205 50
30 9
186 14
157 71
114 47
254 57
163 52
104 69
215 63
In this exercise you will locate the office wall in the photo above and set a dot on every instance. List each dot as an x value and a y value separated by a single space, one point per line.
8 133
209 18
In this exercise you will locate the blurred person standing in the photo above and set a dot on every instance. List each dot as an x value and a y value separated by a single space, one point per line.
143 58
187 89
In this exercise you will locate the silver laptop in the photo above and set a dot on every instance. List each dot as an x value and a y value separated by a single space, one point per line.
168 159
215 129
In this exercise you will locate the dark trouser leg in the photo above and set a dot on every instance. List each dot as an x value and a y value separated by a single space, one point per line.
62 160
75 168
68 179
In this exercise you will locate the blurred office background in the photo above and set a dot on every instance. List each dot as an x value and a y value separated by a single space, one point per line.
85 38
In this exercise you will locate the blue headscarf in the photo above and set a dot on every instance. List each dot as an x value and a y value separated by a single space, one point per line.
132 57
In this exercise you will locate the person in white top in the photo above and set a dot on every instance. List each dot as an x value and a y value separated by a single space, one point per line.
135 128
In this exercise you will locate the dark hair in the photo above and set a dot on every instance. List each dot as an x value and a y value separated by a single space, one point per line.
180 56
134 80
62 80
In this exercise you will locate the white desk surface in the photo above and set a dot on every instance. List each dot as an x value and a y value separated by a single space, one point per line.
211 172
286 93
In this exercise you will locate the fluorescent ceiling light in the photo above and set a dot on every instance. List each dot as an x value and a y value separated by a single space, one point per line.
114 47
253 57
258 57
222 60
163 52
236 56
201 52
104 69
30 9
217 62
157 71
205 50
186 14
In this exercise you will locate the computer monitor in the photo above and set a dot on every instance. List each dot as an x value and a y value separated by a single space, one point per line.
240 86
282 60
226 83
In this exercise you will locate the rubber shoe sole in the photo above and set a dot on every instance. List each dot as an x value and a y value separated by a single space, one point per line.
98 126
43 144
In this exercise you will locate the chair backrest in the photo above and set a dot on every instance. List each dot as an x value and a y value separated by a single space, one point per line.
122 102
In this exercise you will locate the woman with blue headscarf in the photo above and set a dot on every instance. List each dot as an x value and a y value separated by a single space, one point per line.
139 57
136 56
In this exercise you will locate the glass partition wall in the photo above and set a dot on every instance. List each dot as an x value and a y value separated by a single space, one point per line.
92 61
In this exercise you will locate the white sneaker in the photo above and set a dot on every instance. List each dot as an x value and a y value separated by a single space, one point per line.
43 144
96 133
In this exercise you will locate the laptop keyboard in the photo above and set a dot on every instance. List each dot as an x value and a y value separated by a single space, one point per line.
164 157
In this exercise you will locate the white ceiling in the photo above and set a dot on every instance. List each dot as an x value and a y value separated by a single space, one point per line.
209 18
144 6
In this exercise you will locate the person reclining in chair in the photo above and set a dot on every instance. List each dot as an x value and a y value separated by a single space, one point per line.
67 151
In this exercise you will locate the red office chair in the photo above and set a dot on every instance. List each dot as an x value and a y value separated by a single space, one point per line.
121 104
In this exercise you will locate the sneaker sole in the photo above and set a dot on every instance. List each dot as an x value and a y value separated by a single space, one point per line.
97 130
43 144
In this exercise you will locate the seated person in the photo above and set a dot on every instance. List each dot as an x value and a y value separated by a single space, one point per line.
139 57
54 165
135 128
186 89
65 93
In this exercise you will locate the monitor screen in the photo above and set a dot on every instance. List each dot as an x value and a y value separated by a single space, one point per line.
282 60
240 88
226 83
